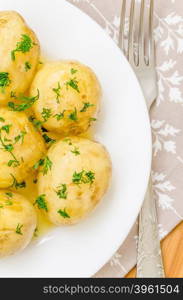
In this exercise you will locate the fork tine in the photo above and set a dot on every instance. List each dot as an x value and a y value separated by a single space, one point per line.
141 41
151 37
122 25
130 50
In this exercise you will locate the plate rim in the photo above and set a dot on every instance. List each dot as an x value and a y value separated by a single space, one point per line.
150 144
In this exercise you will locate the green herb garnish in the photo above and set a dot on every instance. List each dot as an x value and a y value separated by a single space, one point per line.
13 95
41 202
8 147
16 184
46 114
9 194
20 137
13 162
18 229
36 232
37 124
9 203
93 119
83 177
2 119
28 66
6 128
86 106
4 81
57 92
73 83
38 164
59 116
90 177
48 140
27 102
63 213
23 46
73 116
62 191
44 129
45 163
77 177
67 140
73 71
7 140
76 151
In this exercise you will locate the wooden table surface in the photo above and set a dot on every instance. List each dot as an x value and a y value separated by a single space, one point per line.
172 249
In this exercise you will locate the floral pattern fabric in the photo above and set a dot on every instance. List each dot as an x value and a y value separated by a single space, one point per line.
166 118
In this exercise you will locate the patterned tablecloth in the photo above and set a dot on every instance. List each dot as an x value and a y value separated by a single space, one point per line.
166 118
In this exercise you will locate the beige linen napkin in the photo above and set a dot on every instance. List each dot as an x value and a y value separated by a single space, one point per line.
166 118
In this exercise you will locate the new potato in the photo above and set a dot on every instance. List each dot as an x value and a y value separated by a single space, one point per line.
21 146
69 93
17 68
78 179
17 222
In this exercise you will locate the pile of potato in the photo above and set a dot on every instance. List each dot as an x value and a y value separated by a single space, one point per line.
44 109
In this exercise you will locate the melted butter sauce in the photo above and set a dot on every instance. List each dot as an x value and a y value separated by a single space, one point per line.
31 193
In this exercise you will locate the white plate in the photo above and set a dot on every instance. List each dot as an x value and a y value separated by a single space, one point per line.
81 250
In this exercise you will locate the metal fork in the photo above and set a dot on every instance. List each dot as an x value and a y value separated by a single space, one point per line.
149 259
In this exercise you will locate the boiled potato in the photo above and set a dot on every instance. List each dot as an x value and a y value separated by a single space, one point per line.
20 147
77 180
19 55
17 222
69 97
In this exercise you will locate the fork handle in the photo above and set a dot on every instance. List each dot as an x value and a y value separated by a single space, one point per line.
149 259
